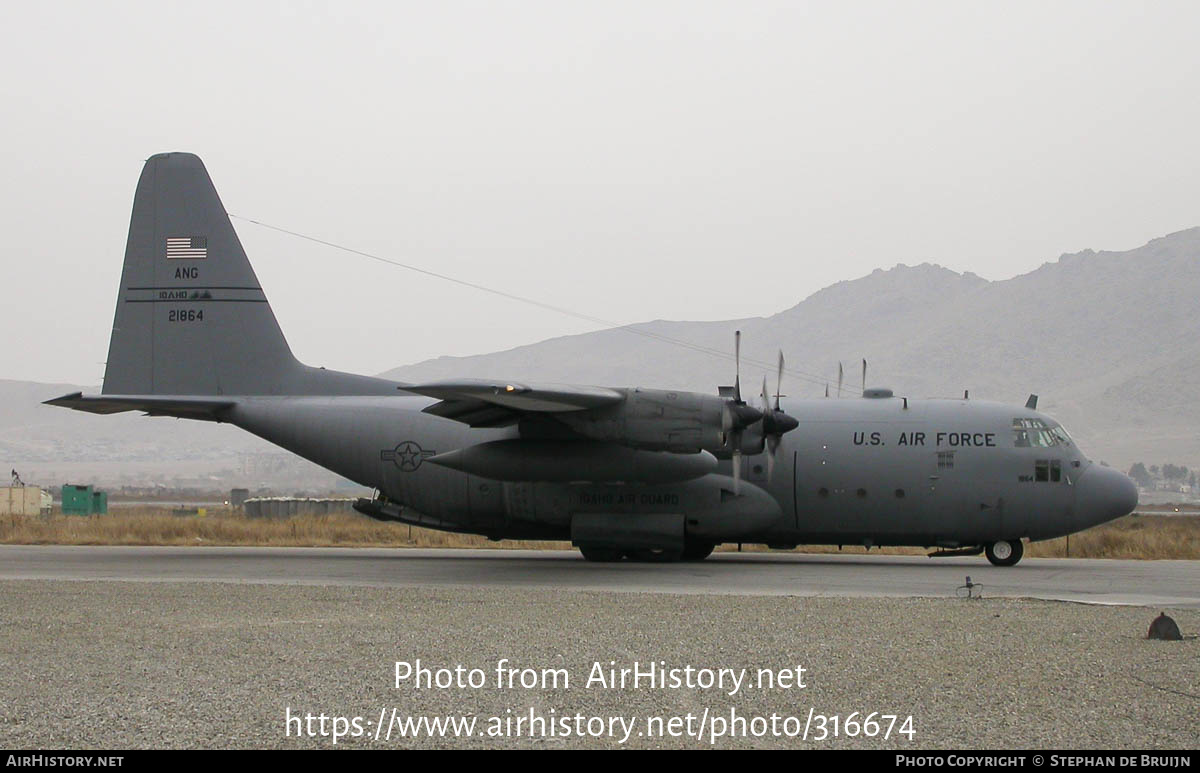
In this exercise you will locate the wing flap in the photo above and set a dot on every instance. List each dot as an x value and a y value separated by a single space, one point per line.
475 413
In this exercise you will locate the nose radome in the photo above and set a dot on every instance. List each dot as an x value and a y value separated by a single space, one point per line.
1103 494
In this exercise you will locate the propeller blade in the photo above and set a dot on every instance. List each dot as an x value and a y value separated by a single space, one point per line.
766 401
864 386
737 467
737 365
772 447
779 380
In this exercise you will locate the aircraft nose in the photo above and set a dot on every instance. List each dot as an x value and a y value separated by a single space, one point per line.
1102 494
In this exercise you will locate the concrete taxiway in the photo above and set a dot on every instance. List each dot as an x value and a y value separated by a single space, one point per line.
1144 583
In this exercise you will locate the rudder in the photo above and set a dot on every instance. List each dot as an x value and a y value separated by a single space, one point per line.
191 317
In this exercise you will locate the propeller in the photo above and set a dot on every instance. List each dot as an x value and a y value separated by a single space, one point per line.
736 415
775 421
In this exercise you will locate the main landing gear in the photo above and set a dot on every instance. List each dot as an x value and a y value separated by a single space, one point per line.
1005 552
600 555
692 551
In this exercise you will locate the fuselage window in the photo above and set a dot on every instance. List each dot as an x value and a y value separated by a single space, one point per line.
862 492
822 492
899 493
1047 470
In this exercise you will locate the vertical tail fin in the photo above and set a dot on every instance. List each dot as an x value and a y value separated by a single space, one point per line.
191 317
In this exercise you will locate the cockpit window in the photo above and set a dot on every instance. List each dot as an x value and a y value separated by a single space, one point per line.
1036 433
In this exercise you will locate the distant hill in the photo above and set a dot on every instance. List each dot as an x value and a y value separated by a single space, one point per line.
1109 340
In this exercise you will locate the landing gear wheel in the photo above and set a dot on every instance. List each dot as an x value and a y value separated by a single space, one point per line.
655 556
603 555
1005 552
697 551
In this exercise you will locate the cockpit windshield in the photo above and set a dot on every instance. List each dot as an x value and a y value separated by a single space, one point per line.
1038 433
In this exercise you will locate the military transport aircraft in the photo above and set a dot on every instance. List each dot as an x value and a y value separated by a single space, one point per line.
622 472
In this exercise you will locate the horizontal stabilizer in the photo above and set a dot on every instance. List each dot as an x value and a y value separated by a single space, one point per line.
180 406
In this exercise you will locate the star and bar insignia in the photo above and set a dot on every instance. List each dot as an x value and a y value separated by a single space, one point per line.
407 456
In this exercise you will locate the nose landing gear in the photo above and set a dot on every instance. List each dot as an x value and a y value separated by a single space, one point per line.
1005 552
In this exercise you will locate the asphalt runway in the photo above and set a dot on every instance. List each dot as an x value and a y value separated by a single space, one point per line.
1173 584
219 647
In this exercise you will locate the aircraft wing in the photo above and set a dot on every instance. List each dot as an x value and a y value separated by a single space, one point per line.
481 403
181 406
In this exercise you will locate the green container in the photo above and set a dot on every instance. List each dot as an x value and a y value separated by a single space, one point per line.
83 500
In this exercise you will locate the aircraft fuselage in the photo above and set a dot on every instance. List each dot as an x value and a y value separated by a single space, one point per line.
885 471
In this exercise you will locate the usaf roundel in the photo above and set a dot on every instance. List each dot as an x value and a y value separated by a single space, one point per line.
407 456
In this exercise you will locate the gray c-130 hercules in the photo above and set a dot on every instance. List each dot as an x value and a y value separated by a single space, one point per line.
622 472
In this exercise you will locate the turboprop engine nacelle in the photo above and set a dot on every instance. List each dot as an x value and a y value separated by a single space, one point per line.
680 422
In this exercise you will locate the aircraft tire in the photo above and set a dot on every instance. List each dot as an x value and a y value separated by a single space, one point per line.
697 551
600 555
1005 552
655 556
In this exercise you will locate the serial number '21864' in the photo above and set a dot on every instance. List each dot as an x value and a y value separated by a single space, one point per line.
185 315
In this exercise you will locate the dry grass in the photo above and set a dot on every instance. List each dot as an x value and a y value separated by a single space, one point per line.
1134 536
222 526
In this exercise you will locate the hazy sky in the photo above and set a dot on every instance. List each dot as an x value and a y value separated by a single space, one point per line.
632 161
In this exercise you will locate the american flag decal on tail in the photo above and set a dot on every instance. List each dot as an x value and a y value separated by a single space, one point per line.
187 248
